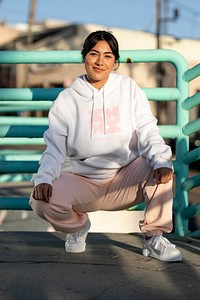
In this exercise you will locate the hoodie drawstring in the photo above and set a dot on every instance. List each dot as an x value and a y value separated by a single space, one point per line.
92 113
104 113
92 117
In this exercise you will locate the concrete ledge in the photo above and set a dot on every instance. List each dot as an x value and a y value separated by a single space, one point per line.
115 221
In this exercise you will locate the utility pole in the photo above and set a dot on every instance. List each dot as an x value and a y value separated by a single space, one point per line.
31 21
161 107
159 21
166 13
158 65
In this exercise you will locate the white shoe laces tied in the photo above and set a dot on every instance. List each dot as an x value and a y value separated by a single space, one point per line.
161 243
76 236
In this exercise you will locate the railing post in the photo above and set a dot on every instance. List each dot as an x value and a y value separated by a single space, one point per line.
182 147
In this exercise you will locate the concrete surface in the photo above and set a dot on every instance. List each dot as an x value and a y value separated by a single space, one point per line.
34 265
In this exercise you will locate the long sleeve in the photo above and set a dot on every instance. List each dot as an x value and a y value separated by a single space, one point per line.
150 143
55 153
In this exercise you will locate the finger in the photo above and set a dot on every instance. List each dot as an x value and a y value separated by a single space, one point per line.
50 192
35 194
38 193
157 175
166 178
45 194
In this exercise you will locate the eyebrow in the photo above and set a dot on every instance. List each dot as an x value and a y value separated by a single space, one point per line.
108 52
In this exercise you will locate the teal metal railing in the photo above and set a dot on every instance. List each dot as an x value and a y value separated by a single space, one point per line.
19 165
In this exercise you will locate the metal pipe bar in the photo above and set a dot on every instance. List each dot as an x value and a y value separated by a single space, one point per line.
10 120
37 131
16 131
50 94
20 106
194 234
15 177
18 167
191 183
191 156
74 56
169 131
179 94
40 57
29 94
21 141
192 73
162 94
14 203
191 127
17 156
192 101
191 211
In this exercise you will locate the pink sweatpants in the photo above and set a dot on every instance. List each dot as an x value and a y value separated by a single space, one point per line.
74 196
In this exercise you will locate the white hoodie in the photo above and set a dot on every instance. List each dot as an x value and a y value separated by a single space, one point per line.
94 132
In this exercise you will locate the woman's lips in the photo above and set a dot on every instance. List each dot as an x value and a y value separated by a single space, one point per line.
98 69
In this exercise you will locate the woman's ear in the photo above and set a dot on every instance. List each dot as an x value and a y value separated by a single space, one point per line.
115 66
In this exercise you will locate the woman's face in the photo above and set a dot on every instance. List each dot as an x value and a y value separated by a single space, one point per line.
99 62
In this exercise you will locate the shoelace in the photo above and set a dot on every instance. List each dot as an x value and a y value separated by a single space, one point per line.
162 243
74 237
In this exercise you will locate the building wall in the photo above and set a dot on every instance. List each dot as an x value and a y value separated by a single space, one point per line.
143 73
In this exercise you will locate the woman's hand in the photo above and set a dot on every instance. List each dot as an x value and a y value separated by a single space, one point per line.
163 175
43 192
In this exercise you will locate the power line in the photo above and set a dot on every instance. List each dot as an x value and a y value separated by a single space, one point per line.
188 9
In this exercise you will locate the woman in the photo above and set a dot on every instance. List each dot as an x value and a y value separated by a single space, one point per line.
104 152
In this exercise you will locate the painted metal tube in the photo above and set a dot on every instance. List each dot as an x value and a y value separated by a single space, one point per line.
191 211
29 94
192 101
13 120
40 57
18 167
22 141
191 127
191 156
50 94
179 94
14 203
192 73
191 183
16 131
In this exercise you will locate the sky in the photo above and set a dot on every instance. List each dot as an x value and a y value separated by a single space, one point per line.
127 14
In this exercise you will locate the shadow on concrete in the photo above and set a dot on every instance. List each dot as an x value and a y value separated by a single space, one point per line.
34 265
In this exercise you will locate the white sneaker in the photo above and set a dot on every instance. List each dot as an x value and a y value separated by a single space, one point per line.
160 248
75 242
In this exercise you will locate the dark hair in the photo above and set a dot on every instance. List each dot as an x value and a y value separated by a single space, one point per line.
96 36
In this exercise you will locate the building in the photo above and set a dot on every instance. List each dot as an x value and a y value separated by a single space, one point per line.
55 35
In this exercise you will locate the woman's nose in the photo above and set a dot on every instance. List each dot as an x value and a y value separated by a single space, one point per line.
99 60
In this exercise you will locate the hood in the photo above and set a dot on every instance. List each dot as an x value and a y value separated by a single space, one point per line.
85 89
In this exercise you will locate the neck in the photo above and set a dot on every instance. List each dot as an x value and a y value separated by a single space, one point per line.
97 84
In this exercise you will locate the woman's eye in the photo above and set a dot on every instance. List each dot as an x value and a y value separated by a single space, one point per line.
93 53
